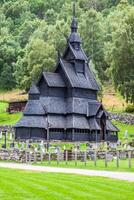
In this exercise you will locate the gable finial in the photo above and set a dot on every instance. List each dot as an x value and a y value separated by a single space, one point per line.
74 21
74 9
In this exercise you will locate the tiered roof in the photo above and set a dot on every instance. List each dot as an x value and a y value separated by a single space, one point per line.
67 112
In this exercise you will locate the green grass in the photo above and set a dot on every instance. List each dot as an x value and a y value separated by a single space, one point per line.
6 118
26 185
100 165
123 127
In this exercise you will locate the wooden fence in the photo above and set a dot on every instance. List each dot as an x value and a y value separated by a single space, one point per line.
82 157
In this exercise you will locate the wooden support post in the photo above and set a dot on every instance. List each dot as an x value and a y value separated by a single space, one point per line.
58 157
35 159
106 159
75 157
26 157
85 158
95 158
73 136
117 159
49 158
66 156
29 157
129 159
41 156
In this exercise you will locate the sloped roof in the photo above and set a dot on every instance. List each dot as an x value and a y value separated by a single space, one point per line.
74 37
93 124
79 80
78 54
54 79
81 105
33 90
57 121
77 121
111 127
34 107
32 121
54 104
93 108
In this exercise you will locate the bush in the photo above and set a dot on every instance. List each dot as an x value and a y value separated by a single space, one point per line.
130 109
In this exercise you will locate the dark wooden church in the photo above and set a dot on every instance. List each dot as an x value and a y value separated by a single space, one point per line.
63 104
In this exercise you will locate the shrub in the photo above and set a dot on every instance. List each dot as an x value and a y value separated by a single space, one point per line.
130 109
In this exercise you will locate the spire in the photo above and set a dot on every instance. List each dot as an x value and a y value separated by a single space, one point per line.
74 37
74 24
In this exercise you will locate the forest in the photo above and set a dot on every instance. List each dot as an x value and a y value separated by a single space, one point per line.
32 32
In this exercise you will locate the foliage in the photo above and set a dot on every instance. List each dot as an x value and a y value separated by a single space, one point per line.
130 109
32 31
119 49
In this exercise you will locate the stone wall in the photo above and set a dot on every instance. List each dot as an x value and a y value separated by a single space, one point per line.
123 117
27 156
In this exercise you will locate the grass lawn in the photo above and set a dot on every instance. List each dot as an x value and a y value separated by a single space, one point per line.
100 165
123 127
26 185
6 118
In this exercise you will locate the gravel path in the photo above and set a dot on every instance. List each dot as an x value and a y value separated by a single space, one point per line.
116 175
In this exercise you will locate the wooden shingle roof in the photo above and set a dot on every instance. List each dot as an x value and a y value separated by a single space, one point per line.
54 79
32 122
85 80
34 107
77 121
34 90
111 127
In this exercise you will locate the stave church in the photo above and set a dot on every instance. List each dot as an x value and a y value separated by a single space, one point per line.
63 104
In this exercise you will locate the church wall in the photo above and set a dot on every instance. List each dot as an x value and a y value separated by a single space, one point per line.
60 70
33 96
43 88
56 92
83 93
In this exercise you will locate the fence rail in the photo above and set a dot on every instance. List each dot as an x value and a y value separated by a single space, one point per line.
119 159
84 158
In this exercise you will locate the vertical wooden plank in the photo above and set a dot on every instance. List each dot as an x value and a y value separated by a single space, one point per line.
35 159
29 157
106 159
85 158
75 157
117 159
49 158
41 156
26 156
66 156
129 159
58 157
95 158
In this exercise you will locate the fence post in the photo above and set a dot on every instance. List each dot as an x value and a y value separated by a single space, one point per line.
35 157
106 159
26 156
117 159
129 159
49 158
75 155
29 157
41 156
85 158
58 157
66 156
95 158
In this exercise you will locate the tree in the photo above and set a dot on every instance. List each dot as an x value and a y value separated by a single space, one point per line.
91 28
119 51
38 56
